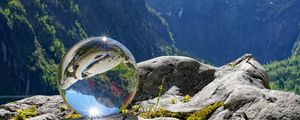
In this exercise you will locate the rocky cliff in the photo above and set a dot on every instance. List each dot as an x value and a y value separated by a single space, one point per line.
191 89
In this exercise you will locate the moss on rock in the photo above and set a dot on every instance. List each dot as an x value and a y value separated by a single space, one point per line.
202 114
23 114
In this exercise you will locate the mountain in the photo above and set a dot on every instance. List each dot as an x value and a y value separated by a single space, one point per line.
296 48
35 35
221 30
284 75
235 91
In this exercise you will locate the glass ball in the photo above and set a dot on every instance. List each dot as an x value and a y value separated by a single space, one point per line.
97 77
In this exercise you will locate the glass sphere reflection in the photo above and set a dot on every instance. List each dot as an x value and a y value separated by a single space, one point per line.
97 77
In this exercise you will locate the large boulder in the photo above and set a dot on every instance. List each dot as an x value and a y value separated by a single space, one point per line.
186 73
242 86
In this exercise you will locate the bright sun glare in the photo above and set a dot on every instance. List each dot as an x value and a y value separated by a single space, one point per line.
94 112
104 38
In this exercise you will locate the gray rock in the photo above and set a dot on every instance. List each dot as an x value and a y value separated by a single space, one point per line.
115 117
186 73
46 106
242 85
5 114
48 116
161 118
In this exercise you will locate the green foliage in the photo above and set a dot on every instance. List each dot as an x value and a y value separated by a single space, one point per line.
48 67
296 48
16 4
125 71
44 20
7 13
74 7
15 11
81 31
57 48
163 21
170 50
24 20
161 89
285 74
23 114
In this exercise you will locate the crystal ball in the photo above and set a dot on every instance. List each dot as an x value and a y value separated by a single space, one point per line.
97 77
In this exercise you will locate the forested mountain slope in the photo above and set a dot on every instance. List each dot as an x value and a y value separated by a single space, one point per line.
36 33
221 30
285 74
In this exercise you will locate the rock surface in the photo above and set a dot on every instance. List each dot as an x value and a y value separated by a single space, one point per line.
183 72
242 85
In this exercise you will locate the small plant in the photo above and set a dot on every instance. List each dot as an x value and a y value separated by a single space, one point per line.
124 110
161 88
173 101
232 65
23 114
63 107
186 98
12 102
136 107
73 115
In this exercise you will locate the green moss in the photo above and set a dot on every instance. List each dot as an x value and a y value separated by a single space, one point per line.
206 112
202 114
232 65
12 102
63 107
124 110
186 98
173 101
136 107
163 113
23 114
73 115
